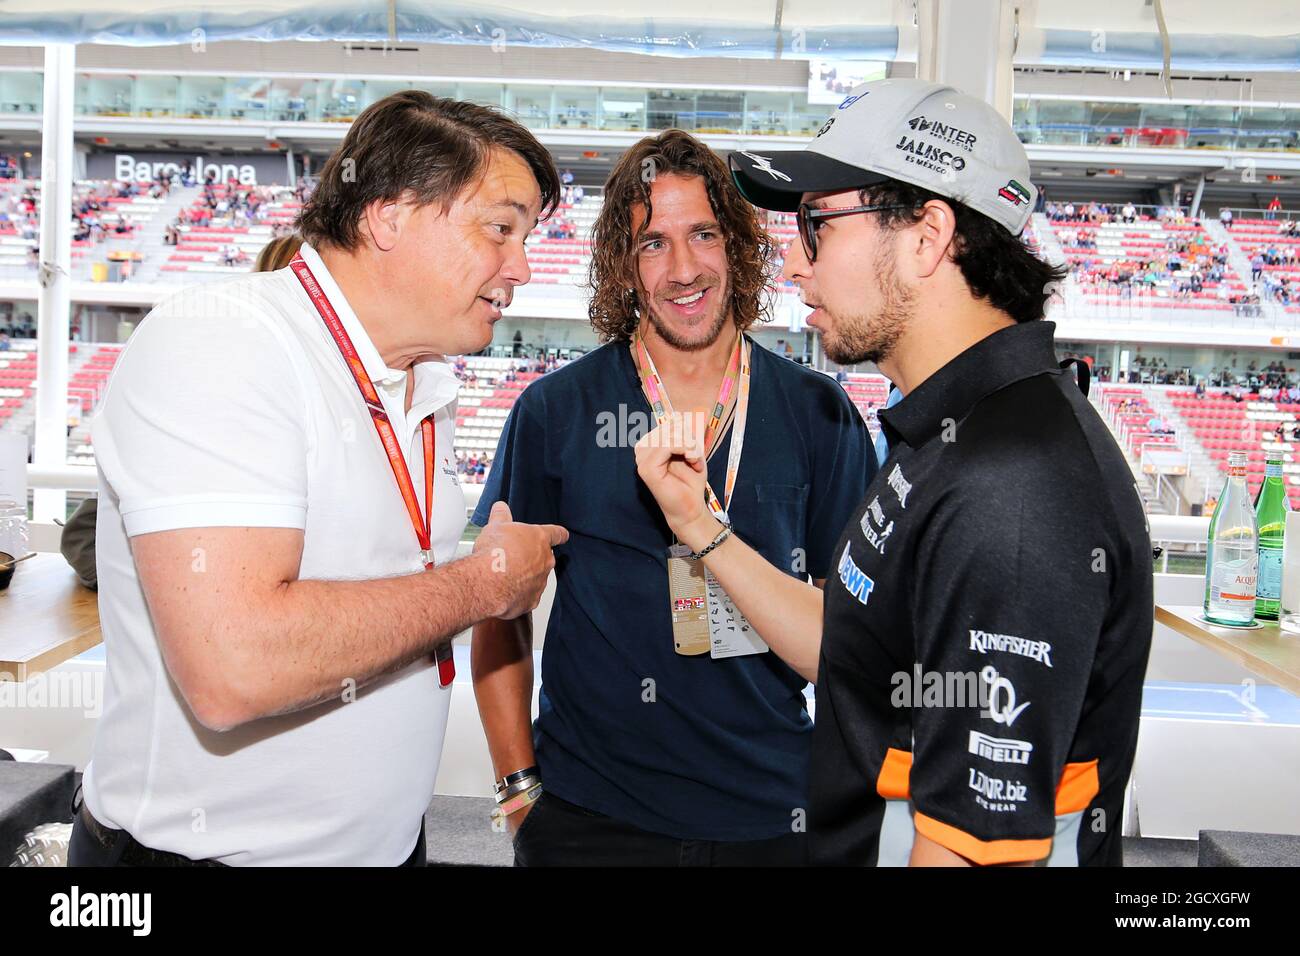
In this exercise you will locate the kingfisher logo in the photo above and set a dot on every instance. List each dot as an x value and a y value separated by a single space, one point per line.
1014 193
854 581
983 641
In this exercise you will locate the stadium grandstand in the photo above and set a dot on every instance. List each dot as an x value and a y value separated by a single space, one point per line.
1167 154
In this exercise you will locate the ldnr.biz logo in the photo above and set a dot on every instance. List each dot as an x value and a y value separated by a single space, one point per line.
103 909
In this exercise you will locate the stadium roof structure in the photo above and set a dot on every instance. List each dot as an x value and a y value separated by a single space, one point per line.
1201 34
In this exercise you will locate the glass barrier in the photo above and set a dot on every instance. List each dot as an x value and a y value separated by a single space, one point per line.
753 113
1206 126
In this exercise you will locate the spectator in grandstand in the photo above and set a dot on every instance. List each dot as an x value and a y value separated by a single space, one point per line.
1129 212
278 253
1273 208
1225 217
5 344
679 271
1256 267
948 301
233 687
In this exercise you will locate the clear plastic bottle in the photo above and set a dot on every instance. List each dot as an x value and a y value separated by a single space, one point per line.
1231 556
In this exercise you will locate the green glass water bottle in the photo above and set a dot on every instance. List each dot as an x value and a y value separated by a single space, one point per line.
1270 515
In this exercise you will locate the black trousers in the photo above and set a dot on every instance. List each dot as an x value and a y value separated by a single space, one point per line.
123 850
558 833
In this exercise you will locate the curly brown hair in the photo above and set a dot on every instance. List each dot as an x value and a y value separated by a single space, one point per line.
612 276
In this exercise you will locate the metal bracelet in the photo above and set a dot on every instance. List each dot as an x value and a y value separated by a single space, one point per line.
518 775
517 803
518 787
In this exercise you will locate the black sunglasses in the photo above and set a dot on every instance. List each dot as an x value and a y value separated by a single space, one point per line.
808 216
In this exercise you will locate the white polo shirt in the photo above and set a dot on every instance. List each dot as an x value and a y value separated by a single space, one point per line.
231 406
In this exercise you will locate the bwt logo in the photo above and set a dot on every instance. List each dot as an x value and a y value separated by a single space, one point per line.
126 169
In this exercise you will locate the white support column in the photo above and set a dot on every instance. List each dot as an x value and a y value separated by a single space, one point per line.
1196 199
968 44
55 277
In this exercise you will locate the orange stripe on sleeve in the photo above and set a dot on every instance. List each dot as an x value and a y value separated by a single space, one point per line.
895 775
1079 784
982 852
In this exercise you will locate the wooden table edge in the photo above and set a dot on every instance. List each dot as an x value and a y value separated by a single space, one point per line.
1207 638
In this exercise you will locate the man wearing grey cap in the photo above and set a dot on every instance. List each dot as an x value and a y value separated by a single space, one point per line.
984 639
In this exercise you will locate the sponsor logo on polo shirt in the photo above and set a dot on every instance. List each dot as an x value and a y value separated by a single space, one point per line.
850 100
999 749
900 485
764 164
875 538
877 512
929 156
995 793
1014 193
825 127
984 642
1003 708
949 134
854 581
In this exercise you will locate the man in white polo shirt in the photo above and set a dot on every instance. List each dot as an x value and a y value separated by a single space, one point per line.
279 514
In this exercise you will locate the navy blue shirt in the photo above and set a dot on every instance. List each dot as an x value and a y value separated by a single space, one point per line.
689 747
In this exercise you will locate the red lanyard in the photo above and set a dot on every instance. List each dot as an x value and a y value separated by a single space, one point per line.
387 436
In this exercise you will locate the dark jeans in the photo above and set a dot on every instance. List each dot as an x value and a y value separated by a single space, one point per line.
85 850
558 833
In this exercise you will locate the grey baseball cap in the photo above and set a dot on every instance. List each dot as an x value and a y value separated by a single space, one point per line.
922 133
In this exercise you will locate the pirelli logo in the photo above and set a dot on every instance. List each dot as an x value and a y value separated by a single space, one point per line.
983 641
1000 749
